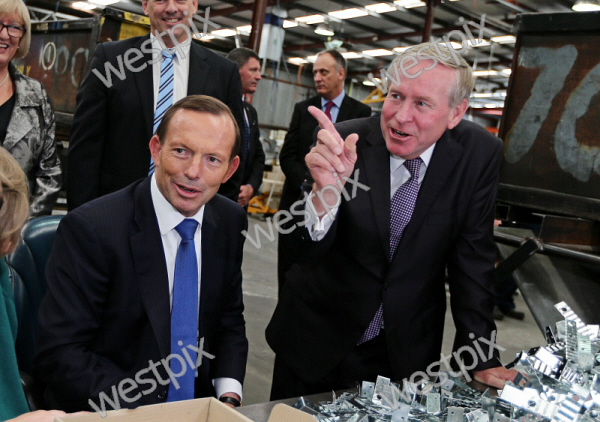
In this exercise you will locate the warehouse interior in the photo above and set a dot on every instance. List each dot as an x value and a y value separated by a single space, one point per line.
549 239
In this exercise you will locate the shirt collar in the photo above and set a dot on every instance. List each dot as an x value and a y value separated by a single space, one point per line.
337 100
180 48
168 217
396 162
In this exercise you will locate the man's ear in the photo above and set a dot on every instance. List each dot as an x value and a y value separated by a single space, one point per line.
457 112
155 148
233 166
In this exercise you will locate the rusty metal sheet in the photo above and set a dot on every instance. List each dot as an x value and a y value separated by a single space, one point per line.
551 122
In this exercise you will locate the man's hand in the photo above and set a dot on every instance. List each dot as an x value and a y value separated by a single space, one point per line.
246 194
233 395
495 377
330 155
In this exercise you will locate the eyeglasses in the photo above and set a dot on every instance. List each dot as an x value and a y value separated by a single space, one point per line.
14 31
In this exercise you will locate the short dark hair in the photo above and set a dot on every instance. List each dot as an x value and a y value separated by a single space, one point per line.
201 104
241 55
340 61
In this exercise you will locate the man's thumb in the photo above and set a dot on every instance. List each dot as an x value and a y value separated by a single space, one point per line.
350 145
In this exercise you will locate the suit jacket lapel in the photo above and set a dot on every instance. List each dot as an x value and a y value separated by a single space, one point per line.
151 268
344 113
210 254
145 87
443 161
198 70
376 159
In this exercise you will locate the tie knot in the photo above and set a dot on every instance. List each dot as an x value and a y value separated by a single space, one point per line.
187 229
328 105
413 166
168 55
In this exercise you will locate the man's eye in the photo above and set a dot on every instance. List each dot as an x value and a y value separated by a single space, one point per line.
214 160
179 150
421 103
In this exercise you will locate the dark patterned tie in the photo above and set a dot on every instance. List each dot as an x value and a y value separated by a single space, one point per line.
401 209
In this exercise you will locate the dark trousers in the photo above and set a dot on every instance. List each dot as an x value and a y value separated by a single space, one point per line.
363 363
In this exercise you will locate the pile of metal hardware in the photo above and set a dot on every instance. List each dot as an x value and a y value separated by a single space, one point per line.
561 383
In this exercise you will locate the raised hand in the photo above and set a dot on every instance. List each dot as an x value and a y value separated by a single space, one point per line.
331 159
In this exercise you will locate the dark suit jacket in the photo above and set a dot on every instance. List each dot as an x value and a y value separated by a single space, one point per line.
328 302
108 144
299 139
106 312
255 166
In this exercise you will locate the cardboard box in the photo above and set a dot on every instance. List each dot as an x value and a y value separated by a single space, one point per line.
199 410
284 413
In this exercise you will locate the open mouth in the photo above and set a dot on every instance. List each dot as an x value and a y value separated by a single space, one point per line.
188 190
399 133
2 45
172 20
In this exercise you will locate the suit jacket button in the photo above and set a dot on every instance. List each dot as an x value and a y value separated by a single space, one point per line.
162 395
386 286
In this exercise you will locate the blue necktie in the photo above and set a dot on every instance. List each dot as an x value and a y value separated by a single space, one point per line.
401 209
165 93
184 314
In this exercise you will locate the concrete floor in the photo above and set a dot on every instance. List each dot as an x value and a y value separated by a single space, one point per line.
260 297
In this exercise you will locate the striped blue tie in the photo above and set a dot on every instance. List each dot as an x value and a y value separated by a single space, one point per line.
165 93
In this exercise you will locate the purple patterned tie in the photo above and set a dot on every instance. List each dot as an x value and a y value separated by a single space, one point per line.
401 209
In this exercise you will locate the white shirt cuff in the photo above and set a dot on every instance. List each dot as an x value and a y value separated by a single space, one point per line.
227 385
320 226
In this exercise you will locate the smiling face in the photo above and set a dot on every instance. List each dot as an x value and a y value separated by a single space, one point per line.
329 80
416 113
194 159
8 45
166 14
250 74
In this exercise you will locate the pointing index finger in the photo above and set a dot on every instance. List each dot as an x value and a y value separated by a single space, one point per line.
324 122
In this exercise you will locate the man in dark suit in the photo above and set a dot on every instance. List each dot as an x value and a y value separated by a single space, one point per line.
329 71
115 115
254 160
368 297
120 310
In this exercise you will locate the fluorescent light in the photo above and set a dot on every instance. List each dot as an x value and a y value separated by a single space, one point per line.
289 24
504 39
324 29
104 2
297 60
586 5
491 105
485 73
368 83
244 29
482 95
83 5
348 13
312 59
381 8
378 52
203 37
481 43
456 45
224 32
401 49
507 72
311 19
351 55
408 4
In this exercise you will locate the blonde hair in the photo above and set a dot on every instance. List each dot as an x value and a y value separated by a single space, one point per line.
12 6
14 202
464 76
